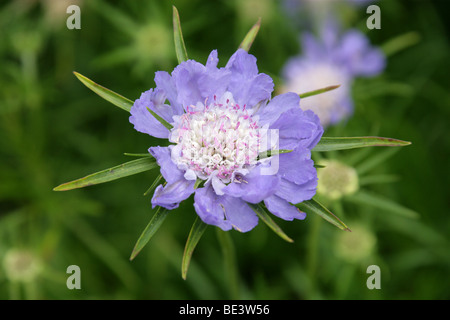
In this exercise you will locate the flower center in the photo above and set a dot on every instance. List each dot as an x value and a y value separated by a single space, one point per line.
216 139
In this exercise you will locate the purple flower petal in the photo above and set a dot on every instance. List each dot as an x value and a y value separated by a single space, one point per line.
290 164
207 207
277 106
169 169
144 121
247 85
224 211
172 194
283 209
253 187
295 193
298 128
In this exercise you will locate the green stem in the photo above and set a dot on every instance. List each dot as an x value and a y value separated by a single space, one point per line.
229 257
312 253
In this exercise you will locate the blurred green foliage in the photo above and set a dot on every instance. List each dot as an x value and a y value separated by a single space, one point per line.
53 130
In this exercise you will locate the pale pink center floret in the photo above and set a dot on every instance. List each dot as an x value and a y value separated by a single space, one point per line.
216 139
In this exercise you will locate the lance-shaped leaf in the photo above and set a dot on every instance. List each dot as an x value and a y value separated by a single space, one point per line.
318 91
382 203
197 230
154 184
344 143
312 206
115 98
151 228
269 153
262 213
180 48
250 36
117 172
139 155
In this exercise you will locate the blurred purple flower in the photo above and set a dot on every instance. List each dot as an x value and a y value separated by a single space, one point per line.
222 119
333 59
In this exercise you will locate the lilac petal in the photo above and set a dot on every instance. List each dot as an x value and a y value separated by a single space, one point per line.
186 79
239 213
144 121
277 106
169 169
254 187
224 211
297 166
359 56
283 209
164 82
247 85
295 193
297 128
172 194
207 207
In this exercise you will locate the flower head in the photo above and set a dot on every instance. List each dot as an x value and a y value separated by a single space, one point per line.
224 125
335 59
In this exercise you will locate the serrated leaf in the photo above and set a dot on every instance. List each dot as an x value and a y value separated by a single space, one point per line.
318 91
344 143
160 119
109 95
117 172
197 230
262 213
312 206
382 203
180 48
151 228
250 36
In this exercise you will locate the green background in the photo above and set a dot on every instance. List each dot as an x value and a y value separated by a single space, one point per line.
53 129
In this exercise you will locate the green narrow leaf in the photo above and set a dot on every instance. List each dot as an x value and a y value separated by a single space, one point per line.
312 206
230 267
264 216
318 91
151 228
180 48
157 117
269 153
250 36
141 155
117 172
197 230
344 143
382 203
154 184
115 98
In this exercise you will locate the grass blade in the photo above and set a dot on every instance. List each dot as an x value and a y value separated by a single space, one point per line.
382 203
318 91
151 228
197 230
180 48
115 98
262 213
312 206
250 36
117 172
344 143
154 184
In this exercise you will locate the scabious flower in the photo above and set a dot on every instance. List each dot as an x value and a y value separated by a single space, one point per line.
332 59
221 120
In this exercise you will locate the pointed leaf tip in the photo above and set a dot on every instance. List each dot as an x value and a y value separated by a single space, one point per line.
109 95
250 36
